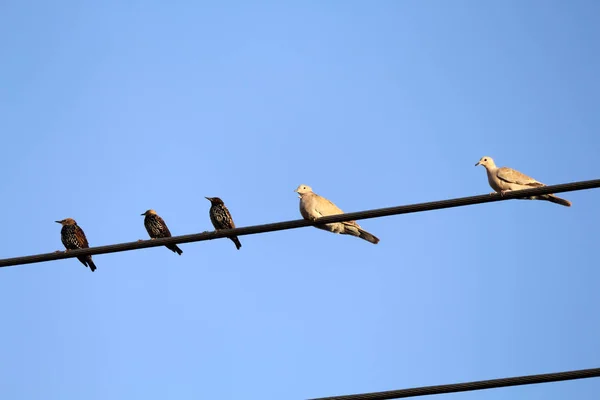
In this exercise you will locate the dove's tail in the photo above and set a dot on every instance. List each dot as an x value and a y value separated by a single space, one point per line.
174 248
552 198
235 240
367 236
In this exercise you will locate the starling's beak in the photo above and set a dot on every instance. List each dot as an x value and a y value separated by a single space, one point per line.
478 162
208 198
58 222
143 214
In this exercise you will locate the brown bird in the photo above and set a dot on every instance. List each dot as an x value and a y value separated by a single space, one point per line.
157 228
313 207
505 179
221 218
73 238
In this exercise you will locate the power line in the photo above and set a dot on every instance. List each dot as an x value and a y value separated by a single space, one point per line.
279 226
469 386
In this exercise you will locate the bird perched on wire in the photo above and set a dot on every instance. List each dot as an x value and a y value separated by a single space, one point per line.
157 228
504 179
221 218
313 206
73 238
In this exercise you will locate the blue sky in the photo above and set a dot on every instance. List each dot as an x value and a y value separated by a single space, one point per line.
110 108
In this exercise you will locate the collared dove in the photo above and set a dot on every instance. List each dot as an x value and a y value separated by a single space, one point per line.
504 179
313 206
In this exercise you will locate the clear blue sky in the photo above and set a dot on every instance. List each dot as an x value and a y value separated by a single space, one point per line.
110 108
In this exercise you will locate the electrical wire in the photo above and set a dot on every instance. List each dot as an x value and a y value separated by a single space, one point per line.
294 224
469 386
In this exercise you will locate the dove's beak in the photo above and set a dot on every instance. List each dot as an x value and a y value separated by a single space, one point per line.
478 163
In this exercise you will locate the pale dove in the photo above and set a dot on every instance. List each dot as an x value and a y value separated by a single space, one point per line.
504 179
313 206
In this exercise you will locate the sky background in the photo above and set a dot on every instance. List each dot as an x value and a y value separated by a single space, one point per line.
110 108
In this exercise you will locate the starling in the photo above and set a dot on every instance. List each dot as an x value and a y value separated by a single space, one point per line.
157 228
73 238
221 218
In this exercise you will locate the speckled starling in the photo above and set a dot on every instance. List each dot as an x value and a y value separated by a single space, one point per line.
73 238
157 228
221 218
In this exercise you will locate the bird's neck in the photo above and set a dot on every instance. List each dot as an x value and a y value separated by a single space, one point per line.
491 168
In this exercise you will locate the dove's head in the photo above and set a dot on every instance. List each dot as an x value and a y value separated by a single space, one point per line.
149 212
303 189
487 162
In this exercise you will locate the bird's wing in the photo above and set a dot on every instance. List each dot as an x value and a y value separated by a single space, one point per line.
229 218
165 229
326 207
81 239
513 176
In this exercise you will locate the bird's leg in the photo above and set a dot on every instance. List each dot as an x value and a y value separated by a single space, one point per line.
60 251
503 192
140 240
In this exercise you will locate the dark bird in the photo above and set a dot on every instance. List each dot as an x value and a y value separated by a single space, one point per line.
73 238
157 228
221 218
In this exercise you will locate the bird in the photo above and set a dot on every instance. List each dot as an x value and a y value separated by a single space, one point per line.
313 206
156 228
73 238
221 218
505 179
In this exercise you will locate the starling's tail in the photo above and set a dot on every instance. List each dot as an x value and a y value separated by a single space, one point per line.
87 261
175 249
367 236
552 198
91 264
235 240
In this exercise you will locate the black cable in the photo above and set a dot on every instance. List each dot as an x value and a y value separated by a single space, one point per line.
469 386
279 226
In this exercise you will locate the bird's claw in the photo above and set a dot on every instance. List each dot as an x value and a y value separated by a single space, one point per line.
58 251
